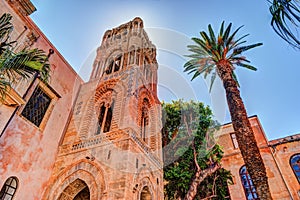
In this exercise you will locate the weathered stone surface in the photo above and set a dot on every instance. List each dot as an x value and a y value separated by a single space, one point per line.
121 157
283 183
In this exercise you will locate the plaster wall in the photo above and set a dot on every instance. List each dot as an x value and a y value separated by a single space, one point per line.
28 152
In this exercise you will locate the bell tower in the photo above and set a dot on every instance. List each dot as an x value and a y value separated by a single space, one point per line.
112 145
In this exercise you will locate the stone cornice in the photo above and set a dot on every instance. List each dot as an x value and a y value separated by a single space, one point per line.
23 7
12 98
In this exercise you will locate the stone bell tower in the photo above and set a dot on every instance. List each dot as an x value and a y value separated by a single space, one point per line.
112 145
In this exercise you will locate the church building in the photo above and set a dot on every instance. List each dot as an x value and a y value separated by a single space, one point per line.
101 139
73 140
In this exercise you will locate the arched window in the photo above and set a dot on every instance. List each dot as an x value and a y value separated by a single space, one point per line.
105 117
145 194
132 57
147 69
247 183
144 118
295 164
115 65
9 188
137 57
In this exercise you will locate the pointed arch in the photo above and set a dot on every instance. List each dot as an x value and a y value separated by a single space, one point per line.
144 118
147 108
145 189
105 102
295 165
87 171
104 109
249 188
145 194
114 62
9 188
75 191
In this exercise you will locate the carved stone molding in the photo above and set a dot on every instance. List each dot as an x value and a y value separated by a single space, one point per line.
24 7
12 98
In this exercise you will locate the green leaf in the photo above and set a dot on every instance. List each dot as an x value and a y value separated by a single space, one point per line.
230 39
235 78
239 50
226 33
221 29
212 36
34 65
247 66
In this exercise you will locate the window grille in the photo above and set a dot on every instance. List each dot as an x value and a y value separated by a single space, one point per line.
37 106
295 164
9 188
247 183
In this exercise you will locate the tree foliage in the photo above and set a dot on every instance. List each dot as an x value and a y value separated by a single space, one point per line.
209 50
219 56
188 130
15 66
286 20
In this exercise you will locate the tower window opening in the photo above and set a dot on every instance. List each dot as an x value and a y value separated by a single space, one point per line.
131 57
144 119
105 118
115 65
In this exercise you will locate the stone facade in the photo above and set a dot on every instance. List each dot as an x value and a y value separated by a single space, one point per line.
119 157
71 153
101 139
276 155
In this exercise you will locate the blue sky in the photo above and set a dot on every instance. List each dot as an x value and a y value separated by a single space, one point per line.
76 29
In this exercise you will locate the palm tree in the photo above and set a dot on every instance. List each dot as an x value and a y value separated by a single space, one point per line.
219 56
18 65
286 20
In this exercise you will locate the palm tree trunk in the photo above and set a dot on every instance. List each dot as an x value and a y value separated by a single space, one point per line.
199 177
244 133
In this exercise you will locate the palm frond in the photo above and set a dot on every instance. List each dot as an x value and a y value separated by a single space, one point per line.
238 59
238 42
202 44
191 64
25 63
4 85
230 39
18 65
221 29
247 66
286 20
196 49
6 28
206 38
209 52
239 50
208 70
196 74
235 78
212 36
226 33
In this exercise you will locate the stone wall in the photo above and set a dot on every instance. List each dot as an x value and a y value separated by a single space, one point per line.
28 152
282 181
